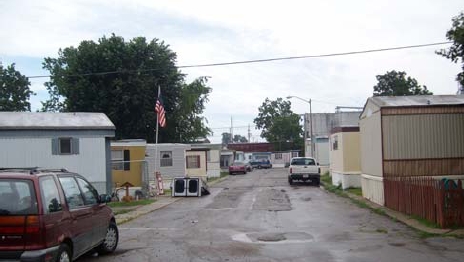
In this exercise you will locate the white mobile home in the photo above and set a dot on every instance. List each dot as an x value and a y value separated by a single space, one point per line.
78 142
168 159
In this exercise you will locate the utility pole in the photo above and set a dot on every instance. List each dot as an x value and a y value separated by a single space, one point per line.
249 134
311 128
310 122
231 131
305 137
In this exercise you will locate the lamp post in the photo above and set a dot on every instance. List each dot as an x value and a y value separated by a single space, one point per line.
310 123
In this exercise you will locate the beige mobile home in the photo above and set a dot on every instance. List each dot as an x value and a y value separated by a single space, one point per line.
345 157
410 136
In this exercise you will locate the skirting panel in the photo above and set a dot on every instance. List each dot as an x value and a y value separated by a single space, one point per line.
372 188
346 180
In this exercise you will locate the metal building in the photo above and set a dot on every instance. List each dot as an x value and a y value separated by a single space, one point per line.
406 136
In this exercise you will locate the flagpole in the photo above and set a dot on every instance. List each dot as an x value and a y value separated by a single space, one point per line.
156 136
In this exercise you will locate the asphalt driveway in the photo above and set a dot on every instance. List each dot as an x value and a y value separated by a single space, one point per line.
259 217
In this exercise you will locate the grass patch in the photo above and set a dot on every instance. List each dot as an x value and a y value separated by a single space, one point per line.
326 179
121 211
423 234
356 191
425 222
167 192
132 203
379 211
381 230
360 204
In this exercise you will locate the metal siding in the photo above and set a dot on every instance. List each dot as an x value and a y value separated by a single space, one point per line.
214 169
178 168
350 147
30 152
336 156
197 171
109 178
372 188
423 136
371 144
321 151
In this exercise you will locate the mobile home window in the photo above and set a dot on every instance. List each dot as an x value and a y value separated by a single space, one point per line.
120 159
335 143
166 158
65 146
193 162
278 156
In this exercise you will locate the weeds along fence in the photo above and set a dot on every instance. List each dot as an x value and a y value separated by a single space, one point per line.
438 201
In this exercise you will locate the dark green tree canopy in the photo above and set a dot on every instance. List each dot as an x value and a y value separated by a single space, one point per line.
226 138
121 79
395 83
456 52
278 122
240 139
14 90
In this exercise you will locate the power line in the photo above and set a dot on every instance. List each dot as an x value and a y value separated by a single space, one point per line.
258 60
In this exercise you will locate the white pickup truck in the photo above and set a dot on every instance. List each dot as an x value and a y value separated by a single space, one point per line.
304 169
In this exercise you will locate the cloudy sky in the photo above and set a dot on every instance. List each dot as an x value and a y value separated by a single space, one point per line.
202 32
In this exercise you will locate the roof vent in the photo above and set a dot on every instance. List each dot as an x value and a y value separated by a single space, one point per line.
428 102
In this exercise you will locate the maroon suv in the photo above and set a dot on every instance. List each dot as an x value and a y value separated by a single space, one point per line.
52 215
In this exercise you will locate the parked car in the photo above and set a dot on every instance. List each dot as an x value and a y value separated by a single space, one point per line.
263 163
237 167
304 169
52 215
249 167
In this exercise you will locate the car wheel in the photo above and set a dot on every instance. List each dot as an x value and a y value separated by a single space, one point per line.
64 254
110 242
290 181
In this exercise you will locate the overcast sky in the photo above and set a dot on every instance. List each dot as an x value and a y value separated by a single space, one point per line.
218 31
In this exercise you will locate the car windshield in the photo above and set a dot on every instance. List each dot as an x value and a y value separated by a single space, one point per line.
17 197
303 162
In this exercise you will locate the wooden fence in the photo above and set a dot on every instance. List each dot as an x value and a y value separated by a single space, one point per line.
438 201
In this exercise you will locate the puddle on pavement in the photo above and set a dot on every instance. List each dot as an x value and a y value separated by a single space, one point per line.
397 244
306 199
274 238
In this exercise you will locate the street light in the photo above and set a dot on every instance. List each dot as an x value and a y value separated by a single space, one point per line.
310 123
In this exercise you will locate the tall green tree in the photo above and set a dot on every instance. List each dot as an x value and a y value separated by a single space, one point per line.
121 79
278 122
456 52
226 138
15 90
240 139
395 83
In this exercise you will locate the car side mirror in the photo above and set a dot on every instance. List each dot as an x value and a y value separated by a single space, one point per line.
104 198
317 163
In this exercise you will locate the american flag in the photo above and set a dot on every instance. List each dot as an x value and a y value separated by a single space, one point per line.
159 109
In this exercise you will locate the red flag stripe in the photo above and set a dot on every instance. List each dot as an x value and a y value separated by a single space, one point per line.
161 113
